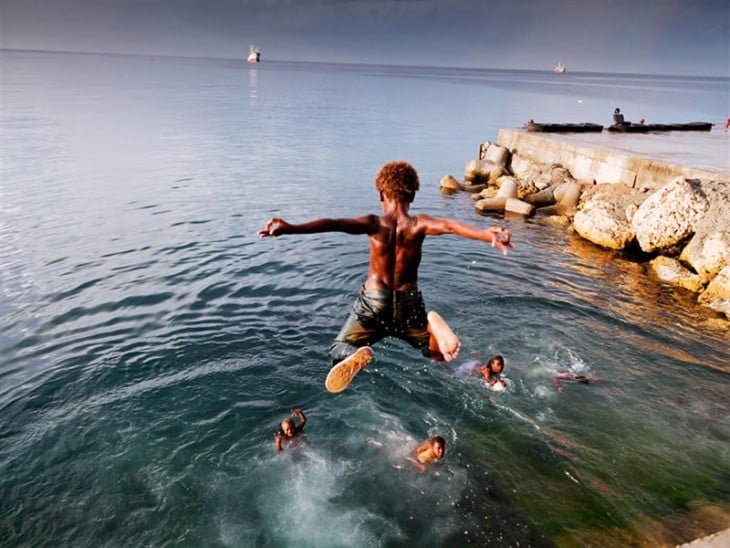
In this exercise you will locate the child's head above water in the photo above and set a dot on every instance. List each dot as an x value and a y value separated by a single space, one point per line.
288 428
438 445
496 364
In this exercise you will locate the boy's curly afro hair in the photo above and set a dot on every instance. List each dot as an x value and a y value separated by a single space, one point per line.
398 181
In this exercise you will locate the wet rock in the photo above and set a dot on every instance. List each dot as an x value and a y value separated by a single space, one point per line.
717 294
709 249
672 271
450 184
604 217
668 216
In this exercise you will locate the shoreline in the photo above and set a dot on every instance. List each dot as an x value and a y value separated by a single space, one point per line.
635 193
612 190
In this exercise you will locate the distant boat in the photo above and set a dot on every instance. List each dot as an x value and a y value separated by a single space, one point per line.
559 68
254 55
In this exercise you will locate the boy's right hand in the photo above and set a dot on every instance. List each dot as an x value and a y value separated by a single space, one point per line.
273 227
501 238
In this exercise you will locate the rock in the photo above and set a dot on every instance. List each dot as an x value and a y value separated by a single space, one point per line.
668 216
717 294
567 196
560 175
496 154
521 166
568 193
604 215
475 189
514 205
450 184
491 204
496 173
709 249
542 198
489 192
672 271
478 171
507 187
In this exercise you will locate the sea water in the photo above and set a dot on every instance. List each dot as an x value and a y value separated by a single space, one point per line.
151 343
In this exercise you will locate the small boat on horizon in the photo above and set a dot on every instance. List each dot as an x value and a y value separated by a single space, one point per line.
559 68
254 54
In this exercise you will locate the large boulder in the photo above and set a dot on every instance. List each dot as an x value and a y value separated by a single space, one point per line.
708 251
605 215
669 216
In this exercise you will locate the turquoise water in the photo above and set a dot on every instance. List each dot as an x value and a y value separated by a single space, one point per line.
151 343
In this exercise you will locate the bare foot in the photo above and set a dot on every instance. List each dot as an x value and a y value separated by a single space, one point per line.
343 372
446 342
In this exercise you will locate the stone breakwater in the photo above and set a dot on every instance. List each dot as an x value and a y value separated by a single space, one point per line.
674 218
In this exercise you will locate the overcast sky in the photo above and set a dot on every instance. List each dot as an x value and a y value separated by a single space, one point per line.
635 36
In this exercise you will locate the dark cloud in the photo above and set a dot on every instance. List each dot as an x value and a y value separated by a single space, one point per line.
666 36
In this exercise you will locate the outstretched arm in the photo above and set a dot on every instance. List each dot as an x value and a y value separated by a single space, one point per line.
358 225
498 236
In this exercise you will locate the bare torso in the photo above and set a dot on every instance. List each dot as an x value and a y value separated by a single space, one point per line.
395 252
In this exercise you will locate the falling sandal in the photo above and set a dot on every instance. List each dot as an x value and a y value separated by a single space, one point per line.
343 372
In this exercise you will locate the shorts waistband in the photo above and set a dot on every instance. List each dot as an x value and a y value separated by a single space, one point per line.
388 293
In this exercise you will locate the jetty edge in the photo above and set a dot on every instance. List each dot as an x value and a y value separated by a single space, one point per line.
671 216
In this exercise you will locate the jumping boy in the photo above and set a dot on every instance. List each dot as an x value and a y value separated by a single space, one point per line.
390 303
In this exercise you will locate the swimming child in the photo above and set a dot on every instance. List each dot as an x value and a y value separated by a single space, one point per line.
289 430
390 303
429 452
491 371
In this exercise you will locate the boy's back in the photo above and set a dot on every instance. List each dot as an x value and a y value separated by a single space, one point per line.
395 251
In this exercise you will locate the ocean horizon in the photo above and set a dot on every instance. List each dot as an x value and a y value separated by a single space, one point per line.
693 77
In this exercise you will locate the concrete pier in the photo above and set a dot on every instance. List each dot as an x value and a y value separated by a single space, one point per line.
637 160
